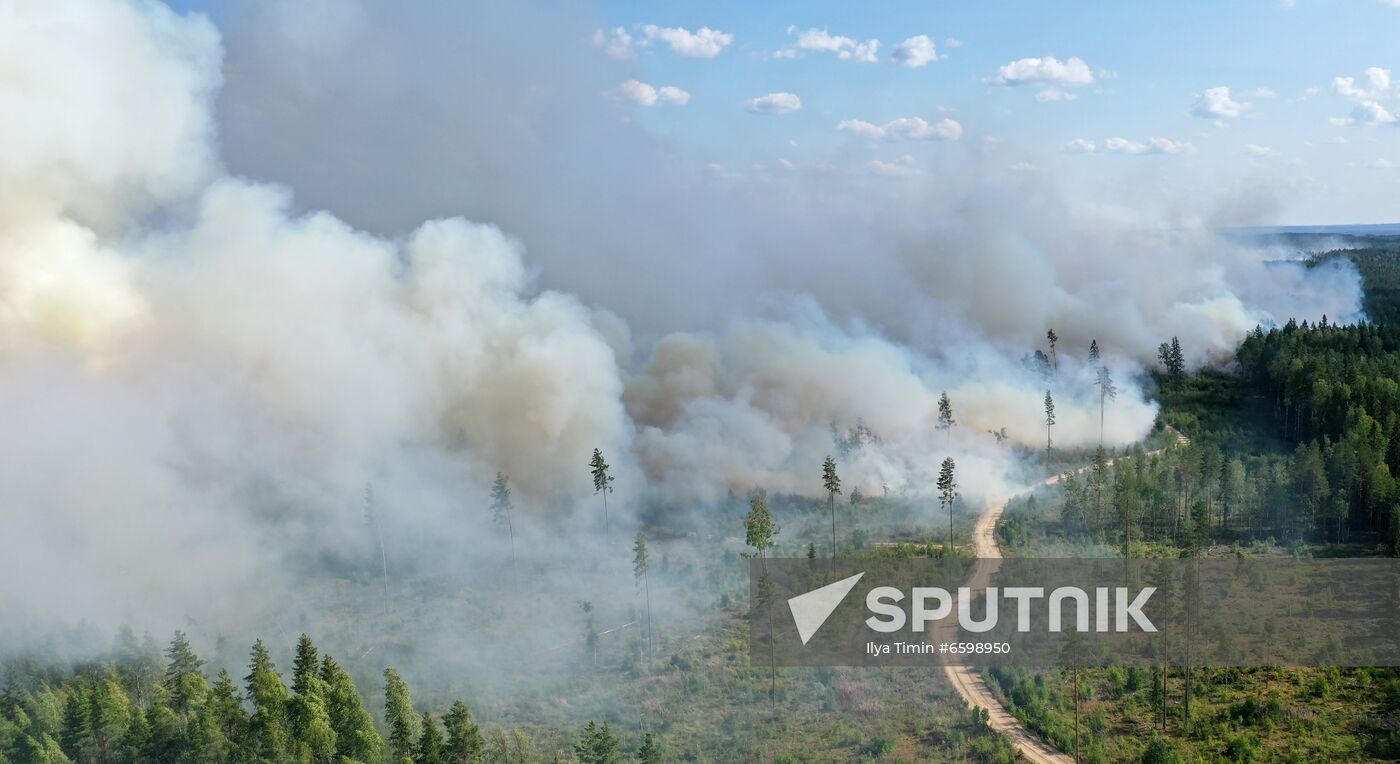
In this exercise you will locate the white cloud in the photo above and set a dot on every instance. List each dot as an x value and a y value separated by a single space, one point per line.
673 94
1255 150
952 42
702 43
1045 71
1126 146
1376 101
1054 94
1381 164
902 166
774 103
862 128
617 43
904 128
915 52
1372 114
641 93
1259 94
1216 103
821 41
1377 85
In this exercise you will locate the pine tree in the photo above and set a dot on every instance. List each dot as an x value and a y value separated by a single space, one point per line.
1049 420
464 742
430 748
1107 392
832 483
1094 352
945 416
501 507
948 493
1054 360
399 717
602 483
269 698
641 564
759 530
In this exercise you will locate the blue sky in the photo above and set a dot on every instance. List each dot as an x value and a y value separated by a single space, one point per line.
1152 65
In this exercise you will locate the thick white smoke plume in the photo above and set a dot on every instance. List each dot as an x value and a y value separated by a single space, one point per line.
201 379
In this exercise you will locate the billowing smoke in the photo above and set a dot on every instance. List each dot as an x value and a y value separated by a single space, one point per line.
202 377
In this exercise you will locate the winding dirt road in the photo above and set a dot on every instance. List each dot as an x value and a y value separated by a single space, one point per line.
965 679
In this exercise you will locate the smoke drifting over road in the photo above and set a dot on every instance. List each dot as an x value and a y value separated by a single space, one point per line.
202 376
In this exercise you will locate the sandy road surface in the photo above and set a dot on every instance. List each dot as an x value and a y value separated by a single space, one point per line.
965 679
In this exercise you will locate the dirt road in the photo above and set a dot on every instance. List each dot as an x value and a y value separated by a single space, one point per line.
965 679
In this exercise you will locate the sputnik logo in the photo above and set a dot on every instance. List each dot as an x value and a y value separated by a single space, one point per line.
810 610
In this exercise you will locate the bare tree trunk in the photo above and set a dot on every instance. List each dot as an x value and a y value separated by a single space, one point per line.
514 573
646 583
1076 712
831 497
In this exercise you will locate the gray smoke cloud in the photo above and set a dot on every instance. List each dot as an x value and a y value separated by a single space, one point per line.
205 370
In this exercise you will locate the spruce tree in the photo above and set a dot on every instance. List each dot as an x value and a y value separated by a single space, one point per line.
1177 368
464 742
399 717
430 748
73 735
184 680
1054 361
649 753
220 728
355 735
597 745
305 666
1049 420
269 699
